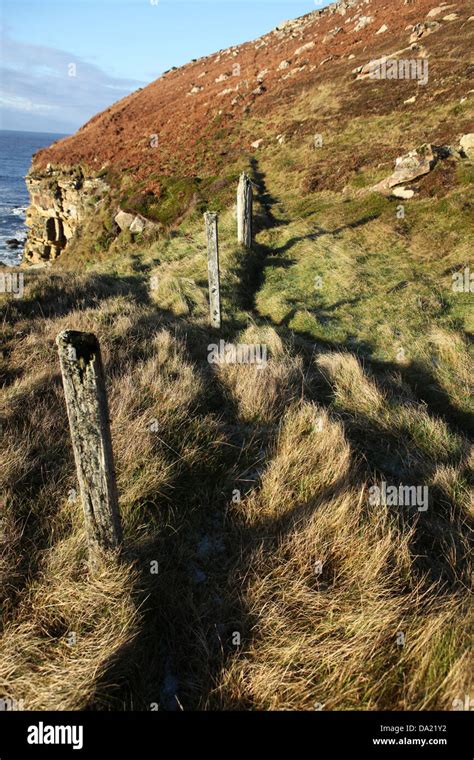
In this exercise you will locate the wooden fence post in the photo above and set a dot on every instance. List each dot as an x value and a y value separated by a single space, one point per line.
244 211
87 409
213 268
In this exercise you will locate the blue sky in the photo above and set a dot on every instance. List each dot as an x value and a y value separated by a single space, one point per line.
63 61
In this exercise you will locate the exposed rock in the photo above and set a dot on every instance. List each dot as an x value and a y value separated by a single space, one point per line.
303 48
363 22
136 223
414 164
403 192
434 12
139 224
423 29
59 201
450 17
467 144
283 65
124 220
13 243
332 33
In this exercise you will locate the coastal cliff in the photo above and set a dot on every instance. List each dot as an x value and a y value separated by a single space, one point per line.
61 200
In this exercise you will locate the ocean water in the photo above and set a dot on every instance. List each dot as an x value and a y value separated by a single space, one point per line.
16 150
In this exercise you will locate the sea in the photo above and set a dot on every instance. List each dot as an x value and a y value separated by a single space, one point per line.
16 151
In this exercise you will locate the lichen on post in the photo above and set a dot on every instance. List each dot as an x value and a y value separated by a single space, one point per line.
87 409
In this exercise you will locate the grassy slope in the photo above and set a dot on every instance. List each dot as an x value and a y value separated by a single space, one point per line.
338 407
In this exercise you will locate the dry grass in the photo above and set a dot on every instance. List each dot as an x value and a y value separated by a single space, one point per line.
299 441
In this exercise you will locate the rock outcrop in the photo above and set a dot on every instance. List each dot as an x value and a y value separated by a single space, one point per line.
60 201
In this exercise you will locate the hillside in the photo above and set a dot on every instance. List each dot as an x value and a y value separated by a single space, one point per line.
280 584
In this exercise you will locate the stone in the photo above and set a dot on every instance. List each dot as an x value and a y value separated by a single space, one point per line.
423 29
124 220
257 143
403 192
414 164
363 22
283 65
303 48
13 243
467 144
408 101
434 12
382 30
450 17
138 225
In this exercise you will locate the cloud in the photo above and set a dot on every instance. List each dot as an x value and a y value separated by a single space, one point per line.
42 86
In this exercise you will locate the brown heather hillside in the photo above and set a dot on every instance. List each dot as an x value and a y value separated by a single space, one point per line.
199 132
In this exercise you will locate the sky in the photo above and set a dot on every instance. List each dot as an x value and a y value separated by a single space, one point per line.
62 61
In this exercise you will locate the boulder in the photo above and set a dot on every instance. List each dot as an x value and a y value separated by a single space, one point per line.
363 22
303 48
403 192
434 12
467 144
138 224
124 220
414 164
423 29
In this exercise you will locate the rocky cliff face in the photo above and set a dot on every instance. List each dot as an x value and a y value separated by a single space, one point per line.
60 200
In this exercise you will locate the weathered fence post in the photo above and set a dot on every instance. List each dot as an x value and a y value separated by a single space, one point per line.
244 211
213 268
87 409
